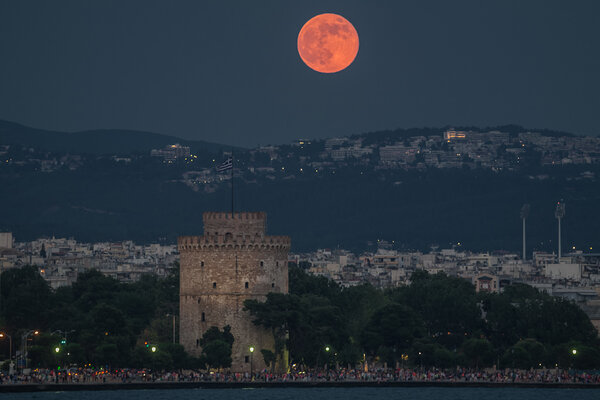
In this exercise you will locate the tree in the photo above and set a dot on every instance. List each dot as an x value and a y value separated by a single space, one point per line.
525 354
269 357
479 352
391 331
216 347
447 305
277 313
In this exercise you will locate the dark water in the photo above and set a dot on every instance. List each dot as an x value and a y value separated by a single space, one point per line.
321 394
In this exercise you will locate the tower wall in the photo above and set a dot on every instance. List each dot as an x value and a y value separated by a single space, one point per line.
233 261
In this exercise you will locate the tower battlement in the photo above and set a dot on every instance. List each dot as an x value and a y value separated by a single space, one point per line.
222 223
241 242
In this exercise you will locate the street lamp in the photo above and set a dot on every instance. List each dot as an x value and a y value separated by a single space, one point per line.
64 335
251 360
24 343
559 213
153 349
327 349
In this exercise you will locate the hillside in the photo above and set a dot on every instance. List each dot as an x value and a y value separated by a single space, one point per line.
328 193
110 141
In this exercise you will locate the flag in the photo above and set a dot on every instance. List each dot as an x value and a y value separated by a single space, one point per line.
227 164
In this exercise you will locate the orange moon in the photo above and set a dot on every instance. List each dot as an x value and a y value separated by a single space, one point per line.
328 43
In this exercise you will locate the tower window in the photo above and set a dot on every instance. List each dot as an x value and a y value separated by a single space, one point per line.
277 263
203 317
214 285
198 301
246 285
262 263
197 342
202 263
272 284
246 359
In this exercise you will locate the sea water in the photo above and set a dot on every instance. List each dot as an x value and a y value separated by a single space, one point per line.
421 393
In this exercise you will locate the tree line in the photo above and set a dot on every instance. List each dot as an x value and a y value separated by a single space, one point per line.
436 321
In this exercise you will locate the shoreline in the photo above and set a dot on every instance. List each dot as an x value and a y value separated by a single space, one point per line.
68 387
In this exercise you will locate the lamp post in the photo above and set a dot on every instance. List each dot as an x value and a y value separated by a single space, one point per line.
559 213
64 334
524 214
24 343
251 360
173 316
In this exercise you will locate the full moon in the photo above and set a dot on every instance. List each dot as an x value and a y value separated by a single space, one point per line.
328 43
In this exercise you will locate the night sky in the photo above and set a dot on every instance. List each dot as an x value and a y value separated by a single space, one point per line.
229 71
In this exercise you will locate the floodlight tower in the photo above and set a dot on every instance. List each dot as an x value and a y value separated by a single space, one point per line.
559 213
524 214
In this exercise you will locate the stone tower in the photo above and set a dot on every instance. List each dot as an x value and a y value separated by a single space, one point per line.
233 261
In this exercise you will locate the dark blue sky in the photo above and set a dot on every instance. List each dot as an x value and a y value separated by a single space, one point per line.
229 71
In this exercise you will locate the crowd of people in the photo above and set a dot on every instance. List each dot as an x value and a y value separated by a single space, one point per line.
124 376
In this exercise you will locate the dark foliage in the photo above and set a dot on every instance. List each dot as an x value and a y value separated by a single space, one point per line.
436 321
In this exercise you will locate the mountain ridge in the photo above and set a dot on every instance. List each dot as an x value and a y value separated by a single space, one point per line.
96 141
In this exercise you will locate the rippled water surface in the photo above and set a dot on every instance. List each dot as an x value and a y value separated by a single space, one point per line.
320 394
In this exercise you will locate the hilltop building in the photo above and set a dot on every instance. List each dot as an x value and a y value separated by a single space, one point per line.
233 261
172 152
6 240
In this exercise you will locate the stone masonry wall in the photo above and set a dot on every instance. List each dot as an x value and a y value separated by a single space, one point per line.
220 270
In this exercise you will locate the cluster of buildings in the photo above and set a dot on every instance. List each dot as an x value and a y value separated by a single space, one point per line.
452 149
494 150
455 149
61 260
575 276
390 268
172 153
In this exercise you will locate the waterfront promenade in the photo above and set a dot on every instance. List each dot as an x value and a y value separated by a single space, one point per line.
81 380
